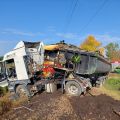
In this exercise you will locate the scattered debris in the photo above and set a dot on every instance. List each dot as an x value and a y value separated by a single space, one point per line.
116 112
90 93
23 107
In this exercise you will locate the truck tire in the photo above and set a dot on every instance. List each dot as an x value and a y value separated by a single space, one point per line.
99 84
22 91
73 88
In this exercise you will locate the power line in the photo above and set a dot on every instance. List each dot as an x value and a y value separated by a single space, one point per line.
73 7
68 15
94 15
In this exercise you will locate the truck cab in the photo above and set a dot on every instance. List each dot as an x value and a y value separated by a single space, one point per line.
21 63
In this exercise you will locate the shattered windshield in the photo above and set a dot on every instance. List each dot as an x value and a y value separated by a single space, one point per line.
51 55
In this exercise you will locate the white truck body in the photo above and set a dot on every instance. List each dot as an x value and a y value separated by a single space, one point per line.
22 49
17 65
23 69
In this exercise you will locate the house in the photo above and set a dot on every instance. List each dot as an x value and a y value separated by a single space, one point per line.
115 64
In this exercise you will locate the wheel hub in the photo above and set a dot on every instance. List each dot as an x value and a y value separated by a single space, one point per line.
73 89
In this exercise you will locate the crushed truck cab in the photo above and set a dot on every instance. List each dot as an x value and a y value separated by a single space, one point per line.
20 63
31 67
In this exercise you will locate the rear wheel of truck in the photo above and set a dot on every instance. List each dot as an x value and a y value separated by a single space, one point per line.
22 92
73 88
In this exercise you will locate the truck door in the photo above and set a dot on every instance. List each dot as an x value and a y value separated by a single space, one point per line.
2 72
10 69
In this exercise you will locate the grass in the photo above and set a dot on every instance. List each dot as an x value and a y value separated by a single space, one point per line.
3 91
113 84
112 87
6 104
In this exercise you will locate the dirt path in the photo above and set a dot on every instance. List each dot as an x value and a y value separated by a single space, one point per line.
57 106
62 110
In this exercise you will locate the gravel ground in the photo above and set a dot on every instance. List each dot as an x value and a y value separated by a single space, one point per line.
58 106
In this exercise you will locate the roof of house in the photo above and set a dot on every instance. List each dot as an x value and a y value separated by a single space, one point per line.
115 61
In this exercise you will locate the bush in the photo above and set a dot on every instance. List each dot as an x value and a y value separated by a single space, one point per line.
3 90
5 105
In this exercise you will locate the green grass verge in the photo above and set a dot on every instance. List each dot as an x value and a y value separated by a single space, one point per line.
113 84
112 87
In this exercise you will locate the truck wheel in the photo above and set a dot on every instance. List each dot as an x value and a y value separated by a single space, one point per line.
22 92
99 84
73 88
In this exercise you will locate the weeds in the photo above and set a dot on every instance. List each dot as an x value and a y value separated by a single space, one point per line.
5 105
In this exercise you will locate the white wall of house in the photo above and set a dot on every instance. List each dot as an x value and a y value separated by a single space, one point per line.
115 64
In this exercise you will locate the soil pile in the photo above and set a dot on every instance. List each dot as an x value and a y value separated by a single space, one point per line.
58 106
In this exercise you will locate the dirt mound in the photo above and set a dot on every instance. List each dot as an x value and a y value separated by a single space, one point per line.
95 108
57 106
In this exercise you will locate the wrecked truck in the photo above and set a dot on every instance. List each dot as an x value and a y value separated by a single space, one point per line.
31 67
90 66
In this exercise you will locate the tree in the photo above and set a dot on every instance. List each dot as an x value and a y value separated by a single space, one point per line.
101 50
112 51
90 44
1 58
115 56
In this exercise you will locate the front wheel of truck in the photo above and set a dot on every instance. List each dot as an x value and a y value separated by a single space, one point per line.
22 92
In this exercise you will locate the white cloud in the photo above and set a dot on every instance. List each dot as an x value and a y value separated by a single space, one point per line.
6 41
106 38
6 46
18 32
69 35
51 29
